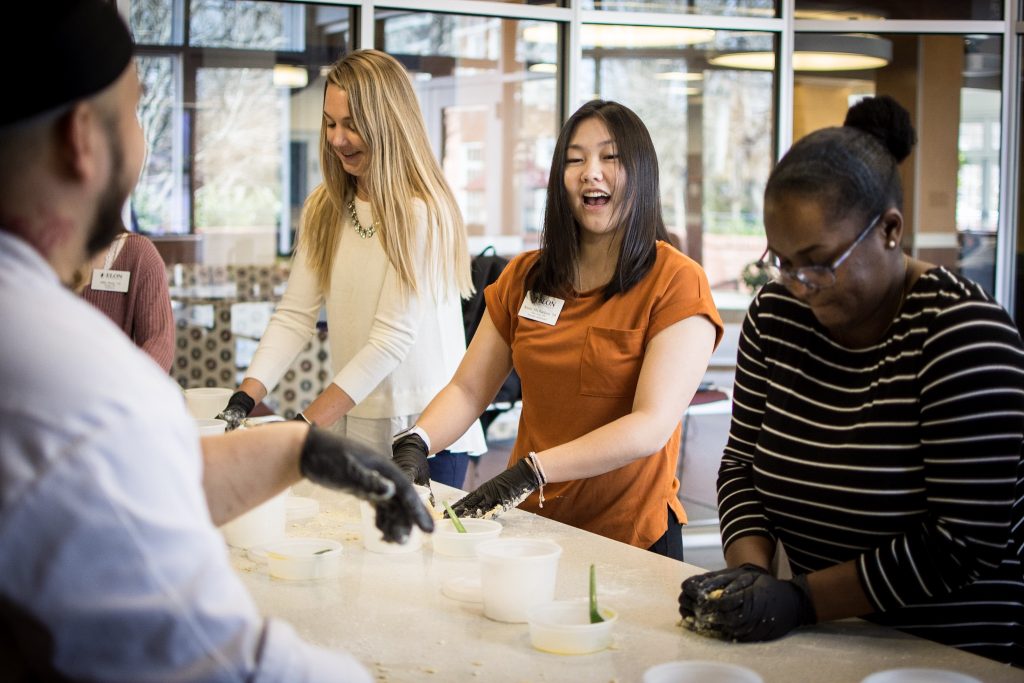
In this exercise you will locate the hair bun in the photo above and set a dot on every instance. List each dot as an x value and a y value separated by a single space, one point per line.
887 120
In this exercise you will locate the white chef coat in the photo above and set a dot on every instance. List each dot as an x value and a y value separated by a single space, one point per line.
105 535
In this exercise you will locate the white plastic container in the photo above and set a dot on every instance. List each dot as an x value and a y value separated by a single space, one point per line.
517 574
697 671
210 426
263 524
304 559
919 676
563 627
207 402
448 541
373 538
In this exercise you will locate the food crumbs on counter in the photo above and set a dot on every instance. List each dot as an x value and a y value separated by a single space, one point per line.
477 663
429 670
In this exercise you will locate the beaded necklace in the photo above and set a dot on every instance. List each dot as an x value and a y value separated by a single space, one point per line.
365 233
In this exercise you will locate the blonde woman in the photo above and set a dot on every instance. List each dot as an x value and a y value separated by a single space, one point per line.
383 247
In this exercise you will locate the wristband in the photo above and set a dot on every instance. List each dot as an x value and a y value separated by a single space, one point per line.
302 418
418 431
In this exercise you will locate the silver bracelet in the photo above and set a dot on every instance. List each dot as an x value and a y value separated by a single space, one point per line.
534 462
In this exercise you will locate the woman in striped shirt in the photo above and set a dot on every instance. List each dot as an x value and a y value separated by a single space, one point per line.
877 424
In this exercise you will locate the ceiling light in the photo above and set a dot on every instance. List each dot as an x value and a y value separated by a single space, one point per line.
543 68
290 76
679 76
818 52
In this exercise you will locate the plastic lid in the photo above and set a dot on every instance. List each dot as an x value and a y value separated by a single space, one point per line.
463 588
298 507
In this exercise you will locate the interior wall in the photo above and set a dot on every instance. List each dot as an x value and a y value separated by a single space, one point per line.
939 82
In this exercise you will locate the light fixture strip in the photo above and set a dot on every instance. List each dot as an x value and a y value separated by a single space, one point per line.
676 20
896 26
503 10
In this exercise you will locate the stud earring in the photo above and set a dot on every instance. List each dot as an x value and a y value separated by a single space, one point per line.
891 244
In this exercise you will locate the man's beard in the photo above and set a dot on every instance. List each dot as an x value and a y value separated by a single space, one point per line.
108 224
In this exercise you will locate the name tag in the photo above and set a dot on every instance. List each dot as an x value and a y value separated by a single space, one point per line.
544 310
110 280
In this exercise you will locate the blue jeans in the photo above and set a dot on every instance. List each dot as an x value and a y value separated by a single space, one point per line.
449 468
671 543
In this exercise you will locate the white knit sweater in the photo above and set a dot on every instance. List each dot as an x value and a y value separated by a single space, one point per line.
392 353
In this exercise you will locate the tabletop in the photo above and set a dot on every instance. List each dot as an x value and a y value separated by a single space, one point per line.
389 611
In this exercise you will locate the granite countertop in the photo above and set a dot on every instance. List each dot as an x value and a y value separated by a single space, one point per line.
389 611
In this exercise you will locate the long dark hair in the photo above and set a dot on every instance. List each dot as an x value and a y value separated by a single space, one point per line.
640 220
853 168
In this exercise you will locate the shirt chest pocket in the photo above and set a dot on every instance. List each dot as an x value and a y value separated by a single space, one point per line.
610 365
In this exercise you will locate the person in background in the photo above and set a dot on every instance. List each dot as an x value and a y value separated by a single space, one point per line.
610 329
877 423
128 283
383 247
111 568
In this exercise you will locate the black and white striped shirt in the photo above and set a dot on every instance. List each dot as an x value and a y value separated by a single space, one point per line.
904 457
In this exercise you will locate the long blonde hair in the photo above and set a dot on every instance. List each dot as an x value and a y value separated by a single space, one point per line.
402 166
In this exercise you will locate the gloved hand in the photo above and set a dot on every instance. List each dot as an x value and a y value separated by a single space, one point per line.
238 408
701 585
499 494
339 463
409 453
753 605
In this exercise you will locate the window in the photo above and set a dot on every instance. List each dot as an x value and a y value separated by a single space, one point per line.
713 129
747 8
488 88
951 180
899 9
232 101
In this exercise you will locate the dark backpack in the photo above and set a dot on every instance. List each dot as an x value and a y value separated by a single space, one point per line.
485 268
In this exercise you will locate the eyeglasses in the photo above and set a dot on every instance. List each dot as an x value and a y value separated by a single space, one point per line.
813 278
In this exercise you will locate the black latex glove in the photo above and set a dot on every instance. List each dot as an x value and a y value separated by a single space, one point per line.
702 584
499 494
410 454
339 463
238 408
753 605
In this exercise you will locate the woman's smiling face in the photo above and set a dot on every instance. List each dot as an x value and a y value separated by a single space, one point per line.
347 143
594 179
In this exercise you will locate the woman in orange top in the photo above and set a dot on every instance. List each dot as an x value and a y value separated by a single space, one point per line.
610 329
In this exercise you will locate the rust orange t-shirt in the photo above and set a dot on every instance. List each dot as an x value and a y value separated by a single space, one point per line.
581 373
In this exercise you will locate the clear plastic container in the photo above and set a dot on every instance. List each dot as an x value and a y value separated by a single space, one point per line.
919 676
304 559
696 671
563 627
448 541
